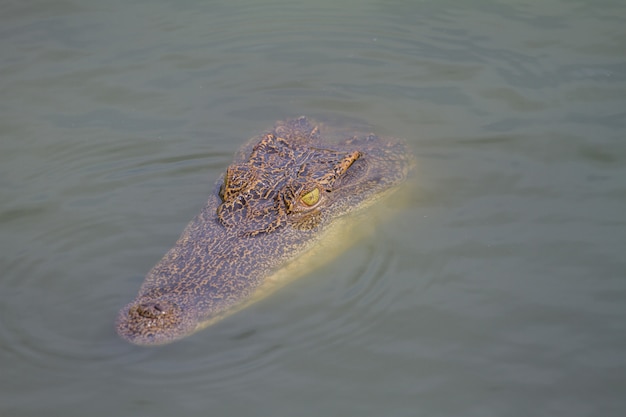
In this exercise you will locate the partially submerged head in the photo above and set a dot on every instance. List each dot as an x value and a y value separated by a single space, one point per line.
280 194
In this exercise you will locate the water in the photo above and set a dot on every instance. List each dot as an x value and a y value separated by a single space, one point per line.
498 290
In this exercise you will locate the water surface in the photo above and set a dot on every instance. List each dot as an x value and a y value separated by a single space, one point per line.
499 287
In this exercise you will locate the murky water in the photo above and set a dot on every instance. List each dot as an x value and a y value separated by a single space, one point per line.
499 291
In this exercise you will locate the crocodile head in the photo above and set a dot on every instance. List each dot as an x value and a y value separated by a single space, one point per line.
277 200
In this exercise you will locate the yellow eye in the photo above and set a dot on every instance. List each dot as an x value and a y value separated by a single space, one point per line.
311 198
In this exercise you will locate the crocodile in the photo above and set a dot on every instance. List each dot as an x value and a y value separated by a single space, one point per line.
285 198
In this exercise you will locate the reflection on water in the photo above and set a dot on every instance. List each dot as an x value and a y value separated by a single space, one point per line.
499 286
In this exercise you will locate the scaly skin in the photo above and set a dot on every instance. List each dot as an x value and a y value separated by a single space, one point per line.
283 194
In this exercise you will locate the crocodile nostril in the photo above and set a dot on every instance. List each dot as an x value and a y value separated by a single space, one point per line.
150 310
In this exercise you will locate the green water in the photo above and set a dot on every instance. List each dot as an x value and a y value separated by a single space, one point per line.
499 289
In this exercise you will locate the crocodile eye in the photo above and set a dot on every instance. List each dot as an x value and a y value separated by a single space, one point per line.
311 198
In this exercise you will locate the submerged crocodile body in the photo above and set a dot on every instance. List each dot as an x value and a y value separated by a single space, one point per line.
283 196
